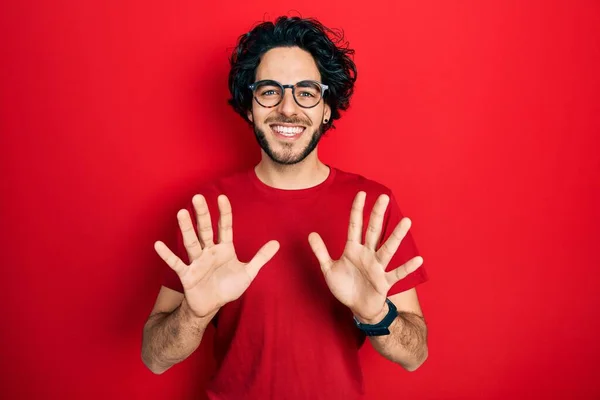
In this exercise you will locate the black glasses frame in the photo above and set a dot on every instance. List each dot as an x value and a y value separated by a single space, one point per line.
283 87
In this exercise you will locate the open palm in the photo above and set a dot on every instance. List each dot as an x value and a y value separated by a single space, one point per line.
359 279
214 276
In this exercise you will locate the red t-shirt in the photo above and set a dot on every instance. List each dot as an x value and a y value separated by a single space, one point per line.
287 336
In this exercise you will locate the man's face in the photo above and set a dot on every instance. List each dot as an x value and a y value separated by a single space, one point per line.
288 133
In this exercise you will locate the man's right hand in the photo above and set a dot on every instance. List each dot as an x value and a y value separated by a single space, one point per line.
215 276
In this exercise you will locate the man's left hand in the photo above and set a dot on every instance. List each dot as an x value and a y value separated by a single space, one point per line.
359 279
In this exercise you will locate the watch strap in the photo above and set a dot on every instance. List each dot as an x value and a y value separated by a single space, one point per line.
381 328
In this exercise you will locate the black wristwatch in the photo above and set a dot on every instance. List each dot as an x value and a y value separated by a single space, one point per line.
381 328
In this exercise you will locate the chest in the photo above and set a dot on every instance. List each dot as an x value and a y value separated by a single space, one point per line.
294 271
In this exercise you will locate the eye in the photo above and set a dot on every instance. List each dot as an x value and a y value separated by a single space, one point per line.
269 92
305 93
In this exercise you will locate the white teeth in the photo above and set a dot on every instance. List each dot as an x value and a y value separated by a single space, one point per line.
288 130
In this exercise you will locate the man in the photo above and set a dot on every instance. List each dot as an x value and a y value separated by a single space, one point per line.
321 258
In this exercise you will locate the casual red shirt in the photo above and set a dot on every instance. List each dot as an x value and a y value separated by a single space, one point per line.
287 336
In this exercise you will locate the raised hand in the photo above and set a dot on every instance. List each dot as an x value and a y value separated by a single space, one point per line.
214 276
359 279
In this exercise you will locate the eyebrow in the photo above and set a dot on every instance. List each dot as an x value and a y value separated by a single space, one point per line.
283 83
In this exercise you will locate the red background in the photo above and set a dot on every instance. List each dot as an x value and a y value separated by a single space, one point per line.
482 116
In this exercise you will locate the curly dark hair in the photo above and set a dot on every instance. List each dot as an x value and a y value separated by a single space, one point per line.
328 48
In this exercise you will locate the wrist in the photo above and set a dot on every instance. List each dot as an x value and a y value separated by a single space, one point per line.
377 326
191 316
377 318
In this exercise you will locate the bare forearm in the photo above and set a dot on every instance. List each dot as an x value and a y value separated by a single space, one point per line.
407 342
170 338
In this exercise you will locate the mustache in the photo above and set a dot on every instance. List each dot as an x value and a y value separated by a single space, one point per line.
287 120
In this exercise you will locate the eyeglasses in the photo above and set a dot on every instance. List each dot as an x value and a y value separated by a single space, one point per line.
269 93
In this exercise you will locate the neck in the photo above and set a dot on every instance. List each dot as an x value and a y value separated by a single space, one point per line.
305 174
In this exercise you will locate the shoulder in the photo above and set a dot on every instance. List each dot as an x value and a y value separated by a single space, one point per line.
233 185
229 183
358 182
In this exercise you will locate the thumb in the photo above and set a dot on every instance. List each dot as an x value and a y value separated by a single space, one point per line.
263 256
318 247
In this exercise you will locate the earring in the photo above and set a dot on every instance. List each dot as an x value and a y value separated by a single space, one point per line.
326 120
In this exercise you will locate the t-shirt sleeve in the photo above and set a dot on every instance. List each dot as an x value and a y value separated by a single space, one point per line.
406 251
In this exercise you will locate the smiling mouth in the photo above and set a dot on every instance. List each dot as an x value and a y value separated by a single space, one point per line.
288 130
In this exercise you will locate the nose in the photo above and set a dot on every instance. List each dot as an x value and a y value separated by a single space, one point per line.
288 105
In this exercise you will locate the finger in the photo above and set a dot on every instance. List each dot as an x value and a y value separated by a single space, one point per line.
376 222
262 257
389 248
356 218
225 220
170 258
401 272
205 230
318 247
190 240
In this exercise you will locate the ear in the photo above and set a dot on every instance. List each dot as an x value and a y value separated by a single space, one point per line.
250 116
327 113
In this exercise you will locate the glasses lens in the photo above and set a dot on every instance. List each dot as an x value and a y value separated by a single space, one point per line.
308 94
268 94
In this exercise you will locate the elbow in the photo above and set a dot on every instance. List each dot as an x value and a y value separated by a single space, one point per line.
152 366
156 370
418 362
149 361
147 354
